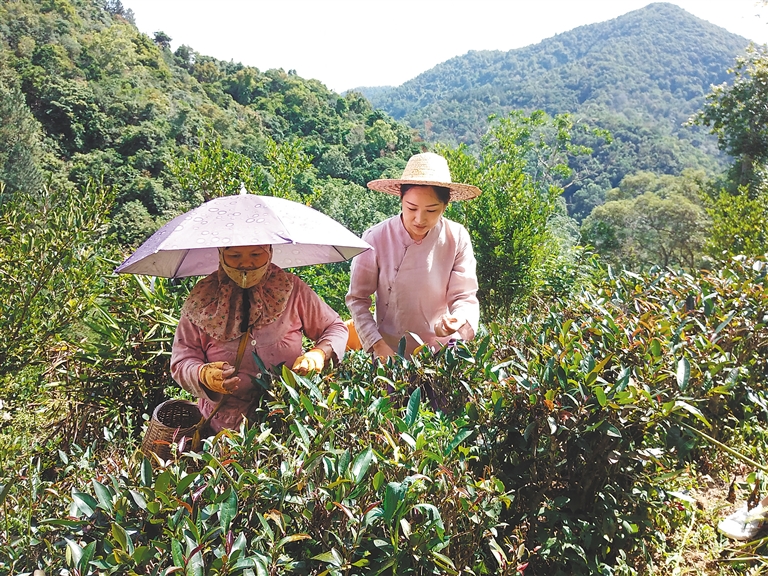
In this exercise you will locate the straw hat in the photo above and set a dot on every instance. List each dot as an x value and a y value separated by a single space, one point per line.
426 169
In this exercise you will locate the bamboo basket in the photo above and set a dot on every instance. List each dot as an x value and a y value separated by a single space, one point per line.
171 421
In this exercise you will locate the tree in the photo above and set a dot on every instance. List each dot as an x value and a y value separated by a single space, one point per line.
20 141
51 247
163 40
211 170
738 224
521 170
738 115
651 220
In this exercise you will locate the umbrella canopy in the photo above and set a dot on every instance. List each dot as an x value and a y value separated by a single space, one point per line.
188 245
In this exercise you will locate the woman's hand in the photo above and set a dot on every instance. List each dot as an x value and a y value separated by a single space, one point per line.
448 325
382 349
311 361
217 377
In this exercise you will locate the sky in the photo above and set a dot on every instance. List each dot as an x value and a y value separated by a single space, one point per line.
353 43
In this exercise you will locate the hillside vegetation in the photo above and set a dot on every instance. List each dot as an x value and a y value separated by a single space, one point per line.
101 101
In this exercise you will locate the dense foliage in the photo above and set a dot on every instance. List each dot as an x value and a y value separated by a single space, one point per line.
651 220
640 76
116 106
738 116
521 169
336 475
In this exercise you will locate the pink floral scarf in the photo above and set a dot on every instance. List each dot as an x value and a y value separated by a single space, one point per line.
215 304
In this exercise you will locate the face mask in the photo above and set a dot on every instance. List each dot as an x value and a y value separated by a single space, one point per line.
245 278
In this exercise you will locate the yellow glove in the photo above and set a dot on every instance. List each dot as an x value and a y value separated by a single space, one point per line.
211 376
312 360
353 340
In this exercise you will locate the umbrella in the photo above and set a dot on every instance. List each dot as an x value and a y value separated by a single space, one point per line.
188 244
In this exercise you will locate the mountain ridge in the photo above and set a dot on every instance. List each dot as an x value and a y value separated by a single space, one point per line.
640 76
554 57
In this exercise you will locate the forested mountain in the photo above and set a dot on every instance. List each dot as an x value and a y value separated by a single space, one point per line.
640 76
84 96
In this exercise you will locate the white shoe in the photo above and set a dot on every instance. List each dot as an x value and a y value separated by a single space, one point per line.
743 524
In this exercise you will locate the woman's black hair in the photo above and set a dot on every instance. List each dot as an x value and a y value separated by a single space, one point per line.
443 193
245 320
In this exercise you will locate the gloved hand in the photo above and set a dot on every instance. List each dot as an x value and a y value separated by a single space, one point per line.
353 340
311 360
212 377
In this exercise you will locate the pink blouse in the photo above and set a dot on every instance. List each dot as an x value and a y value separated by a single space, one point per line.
415 284
280 341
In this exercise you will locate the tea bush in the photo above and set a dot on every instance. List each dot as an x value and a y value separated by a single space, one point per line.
549 445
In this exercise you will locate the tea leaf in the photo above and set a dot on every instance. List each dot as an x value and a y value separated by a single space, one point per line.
361 464
228 510
85 503
683 373
413 407
102 493
185 483
461 435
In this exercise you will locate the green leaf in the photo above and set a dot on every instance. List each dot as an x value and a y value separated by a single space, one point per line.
307 404
683 373
120 535
344 459
228 510
139 499
185 482
600 395
444 563
378 480
433 513
413 407
392 496
302 432
361 464
71 524
332 557
146 473
143 554
85 503
461 435
679 404
239 544
87 556
74 552
177 553
163 482
195 562
724 323
103 494
4 490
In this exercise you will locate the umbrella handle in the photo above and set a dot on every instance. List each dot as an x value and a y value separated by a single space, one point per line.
196 437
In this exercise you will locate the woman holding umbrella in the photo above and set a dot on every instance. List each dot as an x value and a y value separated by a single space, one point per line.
252 304
247 305
421 268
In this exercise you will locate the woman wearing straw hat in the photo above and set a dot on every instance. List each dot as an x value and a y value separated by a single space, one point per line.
249 305
422 268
